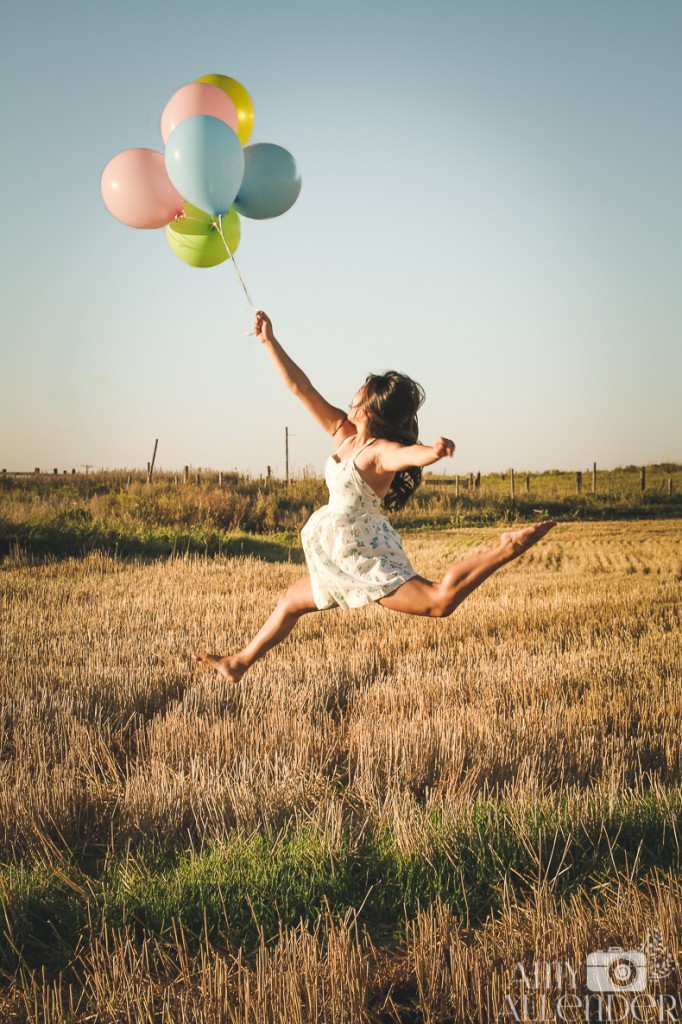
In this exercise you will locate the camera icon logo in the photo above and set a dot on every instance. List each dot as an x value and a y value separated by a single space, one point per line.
616 970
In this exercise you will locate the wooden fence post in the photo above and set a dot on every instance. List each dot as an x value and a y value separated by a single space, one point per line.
511 476
150 465
642 480
670 487
185 475
457 485
477 481
527 483
471 480
594 478
578 483
220 479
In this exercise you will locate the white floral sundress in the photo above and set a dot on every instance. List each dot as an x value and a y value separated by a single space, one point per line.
353 553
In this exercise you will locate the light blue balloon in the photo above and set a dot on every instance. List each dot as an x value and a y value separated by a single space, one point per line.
205 162
271 182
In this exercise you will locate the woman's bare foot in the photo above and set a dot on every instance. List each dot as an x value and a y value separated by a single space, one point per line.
229 668
519 541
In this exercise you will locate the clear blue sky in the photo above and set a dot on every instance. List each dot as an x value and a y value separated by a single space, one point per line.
491 203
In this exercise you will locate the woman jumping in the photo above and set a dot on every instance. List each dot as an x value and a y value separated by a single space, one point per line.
354 555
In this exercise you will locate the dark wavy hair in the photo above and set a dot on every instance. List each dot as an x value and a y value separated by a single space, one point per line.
390 401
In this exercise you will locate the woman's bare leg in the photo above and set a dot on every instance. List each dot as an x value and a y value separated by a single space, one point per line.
293 602
420 596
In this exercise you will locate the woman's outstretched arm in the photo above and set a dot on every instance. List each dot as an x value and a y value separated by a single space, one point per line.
327 415
393 457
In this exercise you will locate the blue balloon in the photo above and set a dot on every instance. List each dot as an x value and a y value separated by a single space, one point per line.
205 162
271 182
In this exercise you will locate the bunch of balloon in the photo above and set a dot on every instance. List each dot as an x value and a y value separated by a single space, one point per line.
206 177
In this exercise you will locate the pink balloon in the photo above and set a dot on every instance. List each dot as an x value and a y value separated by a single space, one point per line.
136 189
198 98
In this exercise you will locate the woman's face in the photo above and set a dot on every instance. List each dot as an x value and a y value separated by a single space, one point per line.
356 412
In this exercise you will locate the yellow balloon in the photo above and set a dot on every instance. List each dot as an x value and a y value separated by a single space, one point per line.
194 239
241 99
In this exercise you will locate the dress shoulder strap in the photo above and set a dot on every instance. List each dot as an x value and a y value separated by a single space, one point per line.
371 441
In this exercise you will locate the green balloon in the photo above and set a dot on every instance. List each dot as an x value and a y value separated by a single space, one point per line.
196 240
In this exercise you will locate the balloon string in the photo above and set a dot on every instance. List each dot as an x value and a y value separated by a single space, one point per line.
219 225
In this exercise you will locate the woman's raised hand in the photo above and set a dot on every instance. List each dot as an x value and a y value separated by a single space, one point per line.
262 326
443 446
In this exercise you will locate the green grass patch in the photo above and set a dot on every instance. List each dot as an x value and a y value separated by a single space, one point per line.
67 536
232 892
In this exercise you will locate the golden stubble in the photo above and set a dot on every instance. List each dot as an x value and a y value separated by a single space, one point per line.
560 673
557 679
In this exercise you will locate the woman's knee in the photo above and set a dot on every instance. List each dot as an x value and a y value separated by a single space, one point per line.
443 606
289 601
284 600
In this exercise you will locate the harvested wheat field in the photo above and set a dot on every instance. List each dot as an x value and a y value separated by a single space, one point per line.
381 821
